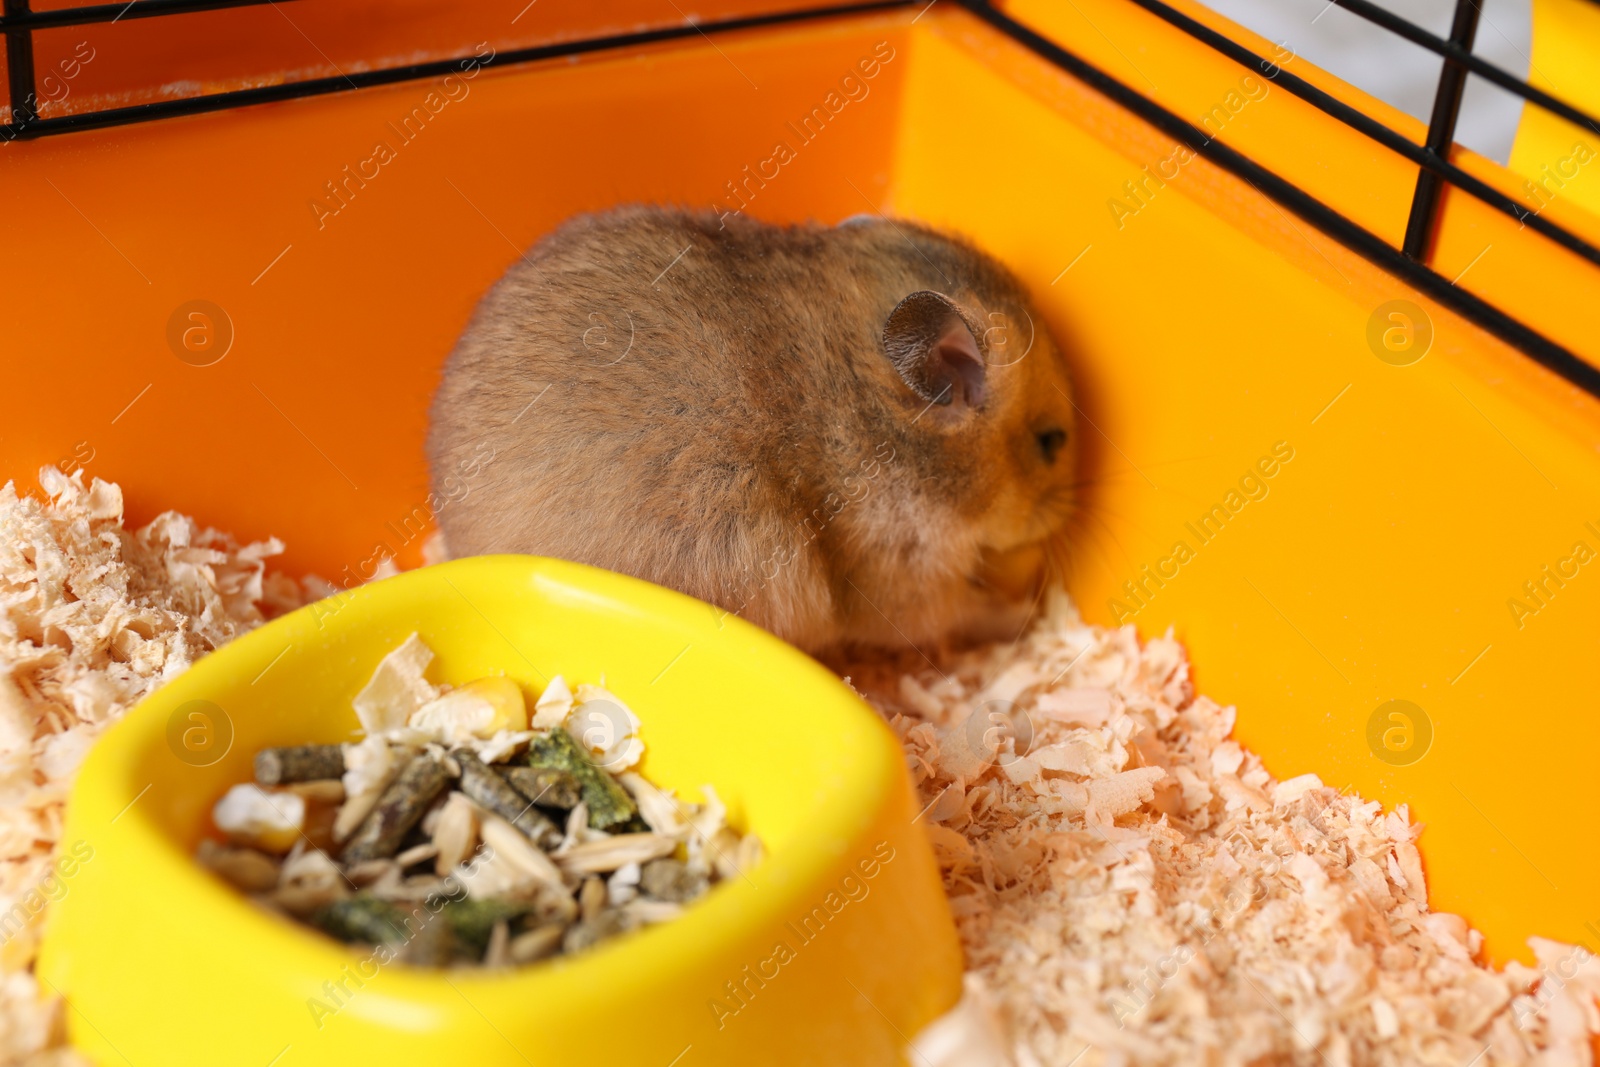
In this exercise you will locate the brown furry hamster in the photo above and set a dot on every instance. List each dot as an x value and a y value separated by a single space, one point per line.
849 435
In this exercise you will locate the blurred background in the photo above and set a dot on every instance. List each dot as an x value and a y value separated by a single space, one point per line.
1395 70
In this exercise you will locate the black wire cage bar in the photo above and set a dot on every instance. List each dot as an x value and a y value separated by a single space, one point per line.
1409 261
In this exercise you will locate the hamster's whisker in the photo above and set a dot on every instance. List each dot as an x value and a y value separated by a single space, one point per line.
1083 511
1088 483
1098 509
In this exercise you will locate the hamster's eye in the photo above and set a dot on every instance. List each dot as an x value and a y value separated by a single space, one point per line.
1050 443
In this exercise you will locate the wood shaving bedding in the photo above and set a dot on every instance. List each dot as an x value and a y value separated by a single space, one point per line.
1130 885
92 617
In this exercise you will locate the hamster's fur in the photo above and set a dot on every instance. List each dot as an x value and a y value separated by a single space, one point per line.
849 435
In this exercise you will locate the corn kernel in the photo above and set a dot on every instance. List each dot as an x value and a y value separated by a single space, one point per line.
505 697
250 815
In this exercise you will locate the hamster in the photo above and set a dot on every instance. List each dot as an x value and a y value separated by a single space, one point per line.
859 435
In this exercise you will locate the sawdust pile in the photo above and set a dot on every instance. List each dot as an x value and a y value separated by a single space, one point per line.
1131 886
92 617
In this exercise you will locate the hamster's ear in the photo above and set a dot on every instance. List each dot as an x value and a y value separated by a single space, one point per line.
927 339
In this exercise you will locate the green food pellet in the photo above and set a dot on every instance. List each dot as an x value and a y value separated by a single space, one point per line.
609 804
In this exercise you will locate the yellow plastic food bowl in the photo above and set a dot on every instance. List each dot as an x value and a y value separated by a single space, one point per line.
833 951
